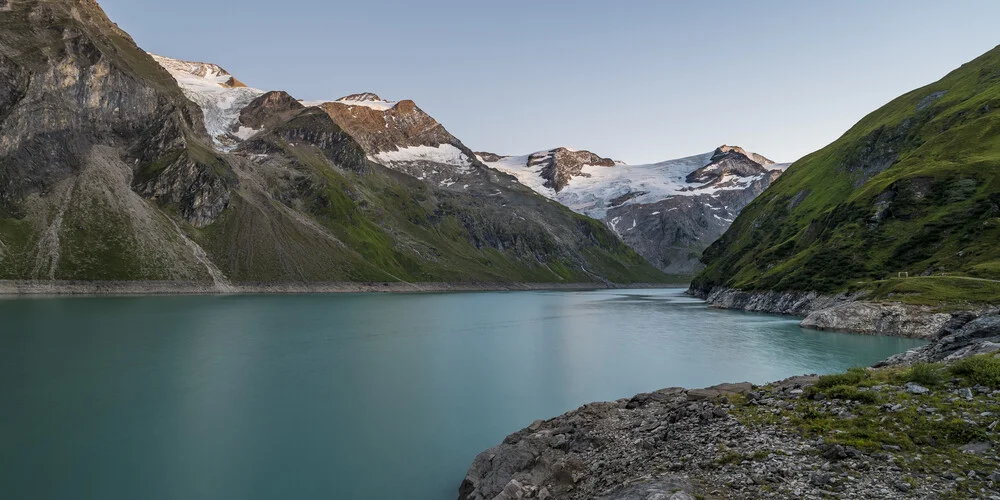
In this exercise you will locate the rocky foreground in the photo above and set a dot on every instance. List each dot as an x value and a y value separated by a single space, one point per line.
922 424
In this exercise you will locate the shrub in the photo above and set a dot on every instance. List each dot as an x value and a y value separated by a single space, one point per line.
852 393
924 374
981 370
854 376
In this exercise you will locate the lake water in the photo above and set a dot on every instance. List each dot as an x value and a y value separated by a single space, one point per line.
346 396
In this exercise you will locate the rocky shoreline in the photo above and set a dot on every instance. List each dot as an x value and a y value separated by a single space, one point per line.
865 434
113 288
843 313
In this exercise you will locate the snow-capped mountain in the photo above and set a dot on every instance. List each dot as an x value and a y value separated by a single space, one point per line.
397 134
668 211
219 94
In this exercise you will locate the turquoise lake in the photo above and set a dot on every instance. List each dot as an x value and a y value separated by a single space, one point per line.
384 396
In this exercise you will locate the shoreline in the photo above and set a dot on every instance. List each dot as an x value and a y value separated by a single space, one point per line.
847 313
801 437
42 288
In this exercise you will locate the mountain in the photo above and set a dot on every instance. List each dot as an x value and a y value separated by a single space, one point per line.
119 165
669 212
914 187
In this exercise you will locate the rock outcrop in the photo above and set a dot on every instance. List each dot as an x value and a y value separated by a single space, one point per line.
900 320
729 161
963 336
560 165
844 312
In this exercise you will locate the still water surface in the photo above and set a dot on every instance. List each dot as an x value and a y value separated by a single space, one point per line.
346 396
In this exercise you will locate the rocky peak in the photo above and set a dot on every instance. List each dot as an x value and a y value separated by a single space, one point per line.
210 73
489 157
729 161
272 107
562 164
723 150
387 128
362 97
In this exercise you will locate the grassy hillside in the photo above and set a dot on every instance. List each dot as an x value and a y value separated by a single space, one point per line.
914 187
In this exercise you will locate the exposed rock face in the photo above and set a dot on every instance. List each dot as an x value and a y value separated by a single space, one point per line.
269 110
790 303
601 449
362 97
895 319
843 313
403 137
672 233
668 212
80 103
488 157
402 125
962 336
728 163
725 150
67 95
560 165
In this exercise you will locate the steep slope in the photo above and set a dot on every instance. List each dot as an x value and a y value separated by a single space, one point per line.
115 165
85 120
669 212
913 187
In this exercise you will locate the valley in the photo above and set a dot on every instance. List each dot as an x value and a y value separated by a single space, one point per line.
214 290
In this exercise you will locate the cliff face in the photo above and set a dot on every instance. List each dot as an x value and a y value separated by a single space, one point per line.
115 165
86 120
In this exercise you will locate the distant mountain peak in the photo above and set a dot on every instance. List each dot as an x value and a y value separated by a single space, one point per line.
362 97
724 149
211 74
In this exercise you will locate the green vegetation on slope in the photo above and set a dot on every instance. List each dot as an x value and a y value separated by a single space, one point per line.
914 187
921 430
388 226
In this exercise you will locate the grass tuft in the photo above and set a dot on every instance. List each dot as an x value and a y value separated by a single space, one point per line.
925 374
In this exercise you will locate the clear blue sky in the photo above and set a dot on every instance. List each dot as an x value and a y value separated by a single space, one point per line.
639 81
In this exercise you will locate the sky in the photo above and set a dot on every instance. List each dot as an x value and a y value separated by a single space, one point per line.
637 81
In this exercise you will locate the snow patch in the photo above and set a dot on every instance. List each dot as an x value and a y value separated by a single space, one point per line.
376 105
445 153
245 133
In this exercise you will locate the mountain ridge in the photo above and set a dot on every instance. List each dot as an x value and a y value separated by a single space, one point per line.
111 172
668 211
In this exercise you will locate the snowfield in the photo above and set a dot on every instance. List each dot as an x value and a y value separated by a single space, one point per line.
444 153
649 183
206 85
378 105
